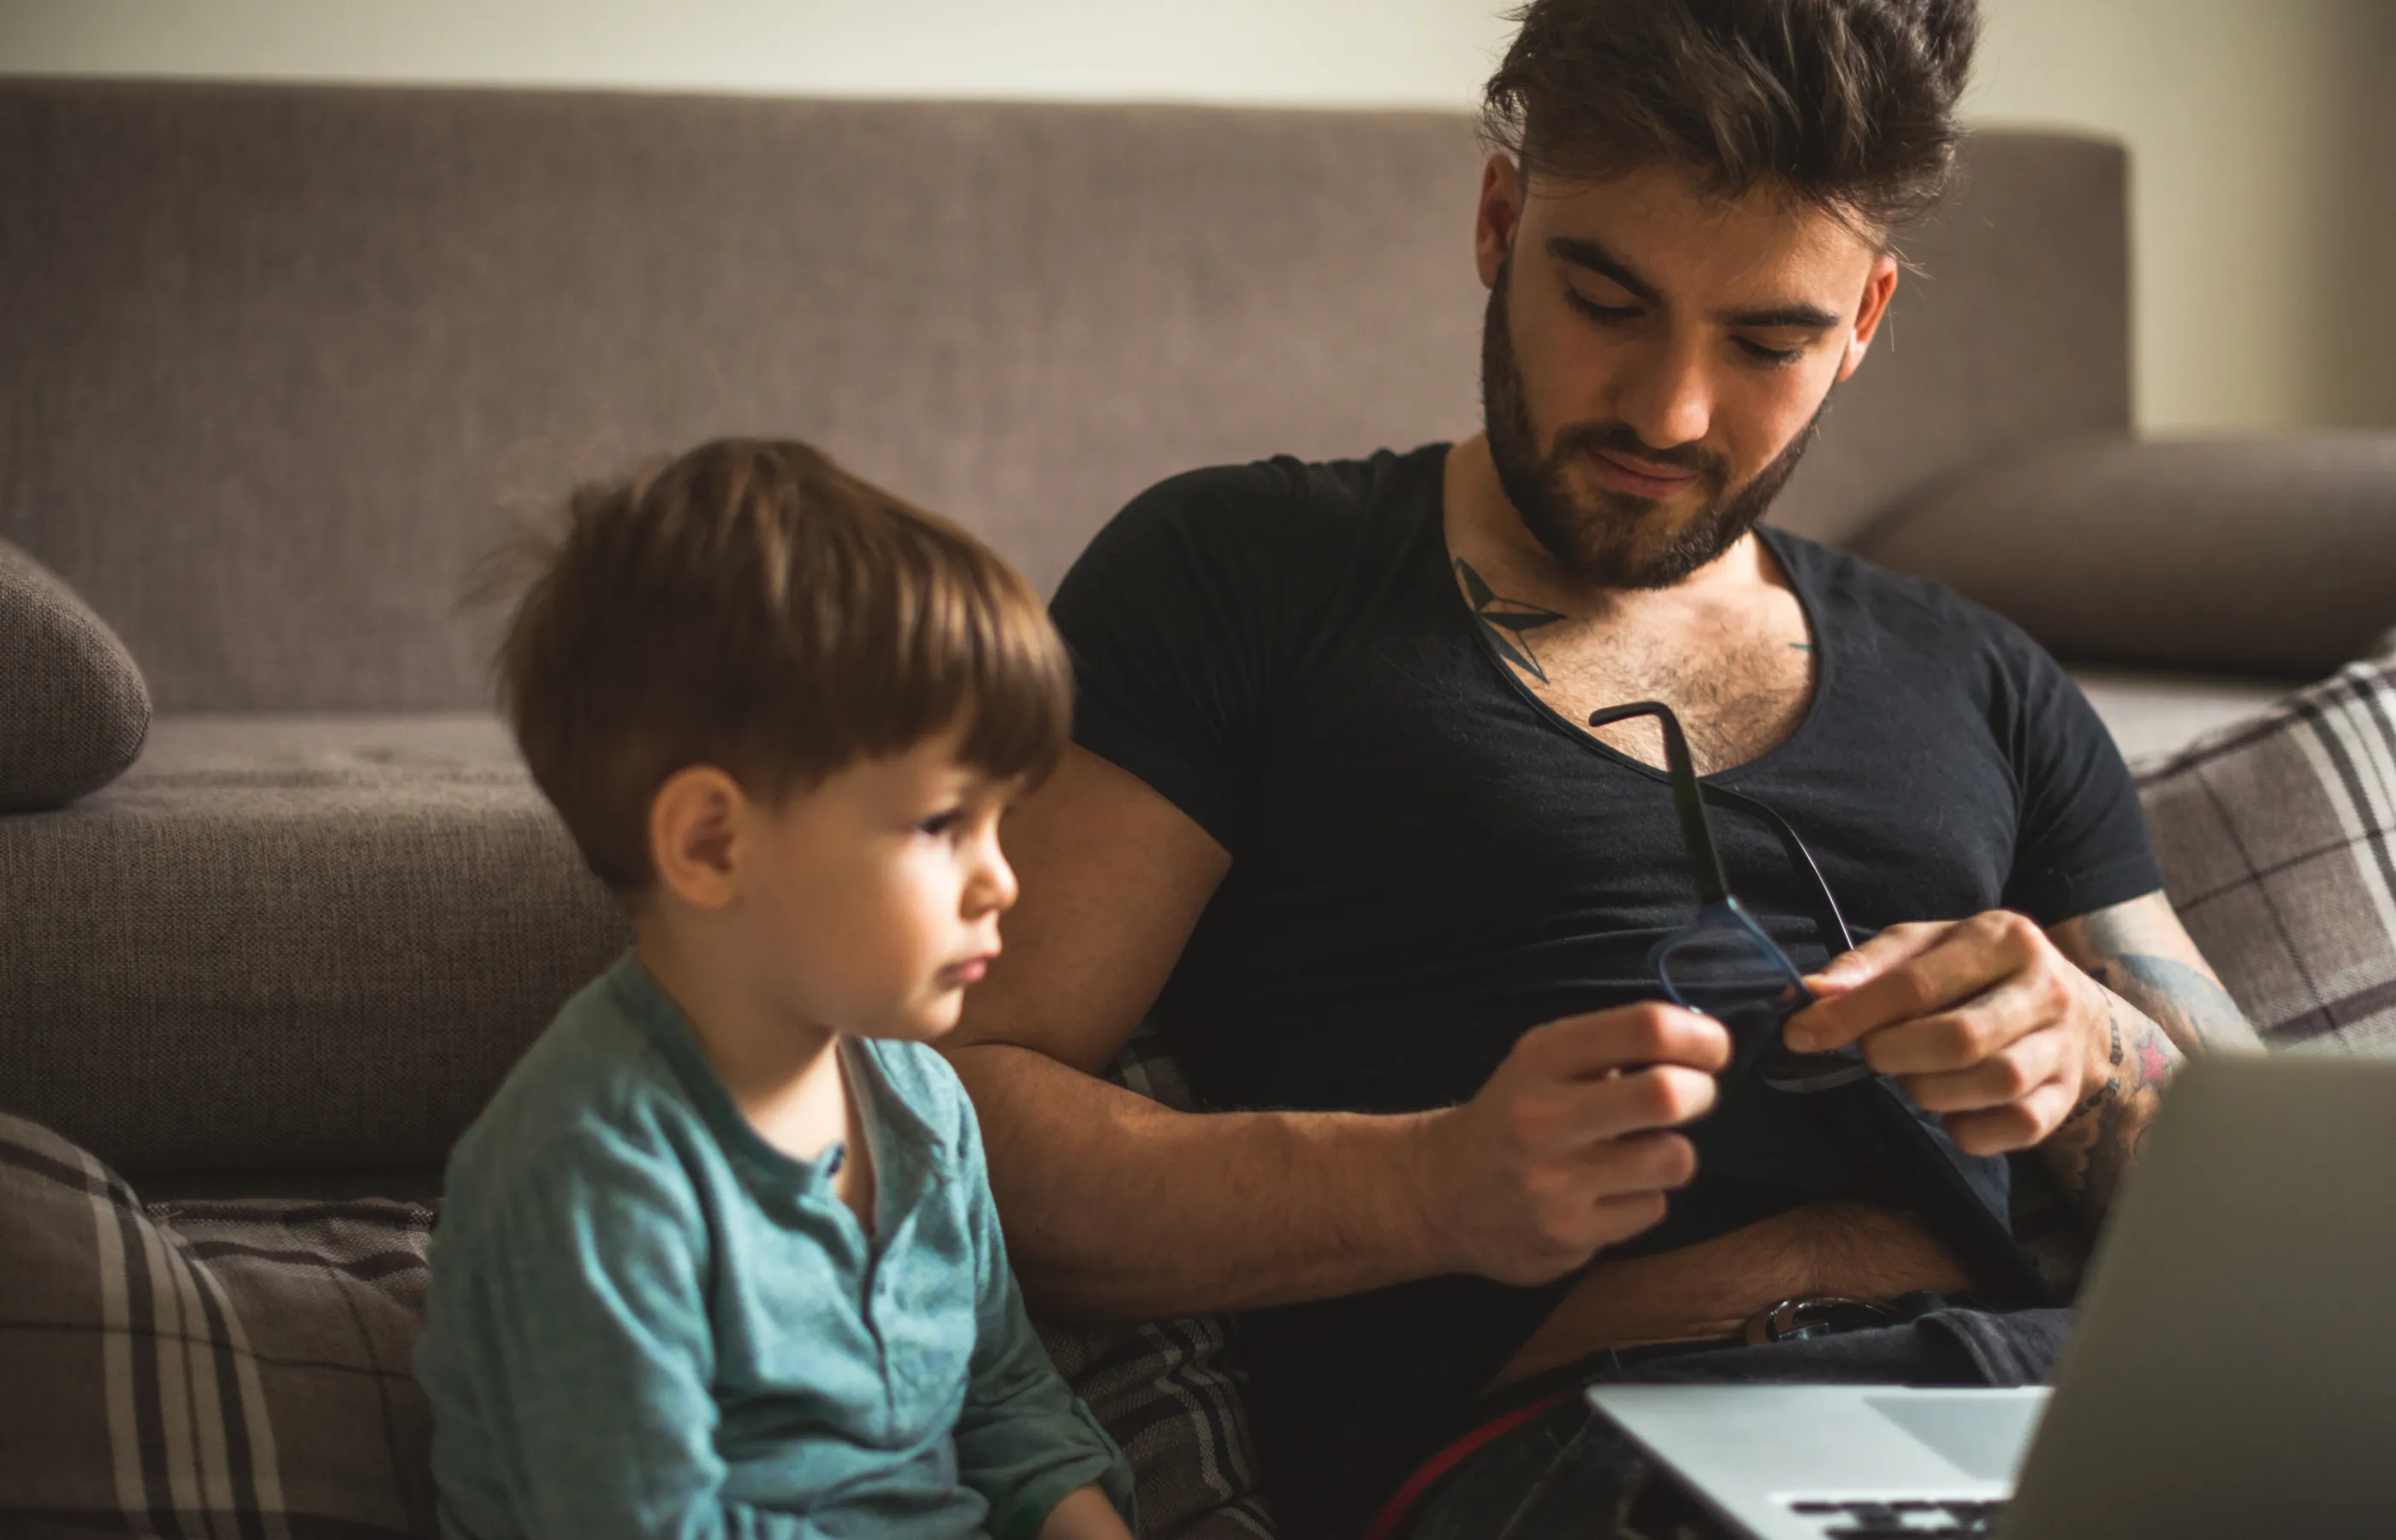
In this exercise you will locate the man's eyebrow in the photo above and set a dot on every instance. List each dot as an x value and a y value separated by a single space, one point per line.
1805 317
1589 255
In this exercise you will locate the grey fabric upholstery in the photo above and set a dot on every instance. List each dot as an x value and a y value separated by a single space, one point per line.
278 945
280 359
2271 553
73 709
277 358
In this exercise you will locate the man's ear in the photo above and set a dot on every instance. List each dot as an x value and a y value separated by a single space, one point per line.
697 822
1497 218
1878 287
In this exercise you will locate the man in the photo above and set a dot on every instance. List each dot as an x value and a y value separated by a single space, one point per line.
1334 819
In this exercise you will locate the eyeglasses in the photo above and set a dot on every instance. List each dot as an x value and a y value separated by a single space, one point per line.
1722 964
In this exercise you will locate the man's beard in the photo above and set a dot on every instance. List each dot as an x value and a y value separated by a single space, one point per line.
1620 540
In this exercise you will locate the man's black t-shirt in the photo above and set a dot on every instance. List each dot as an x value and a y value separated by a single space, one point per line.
1427 860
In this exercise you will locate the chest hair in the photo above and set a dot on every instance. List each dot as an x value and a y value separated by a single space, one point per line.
1738 678
1736 696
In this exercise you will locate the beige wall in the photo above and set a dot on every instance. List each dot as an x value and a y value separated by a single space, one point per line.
2263 131
2263 136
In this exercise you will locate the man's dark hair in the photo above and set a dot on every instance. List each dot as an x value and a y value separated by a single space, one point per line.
1850 104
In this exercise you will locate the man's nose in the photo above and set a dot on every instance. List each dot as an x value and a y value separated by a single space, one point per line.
1668 398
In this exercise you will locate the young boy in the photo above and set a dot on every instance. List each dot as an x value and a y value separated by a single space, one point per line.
720 1257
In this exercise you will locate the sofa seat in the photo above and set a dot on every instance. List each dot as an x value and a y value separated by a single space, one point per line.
284 945
312 945
2152 711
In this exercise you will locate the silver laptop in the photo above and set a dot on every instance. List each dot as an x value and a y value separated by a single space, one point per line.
2232 1370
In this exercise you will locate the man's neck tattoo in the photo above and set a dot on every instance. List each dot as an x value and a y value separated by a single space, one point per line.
1505 621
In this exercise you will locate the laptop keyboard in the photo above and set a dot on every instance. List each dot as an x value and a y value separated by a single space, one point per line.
1843 1519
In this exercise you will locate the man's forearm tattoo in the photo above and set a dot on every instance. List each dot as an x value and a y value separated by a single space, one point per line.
2199 1003
2187 1004
2112 1146
2099 1140
1506 621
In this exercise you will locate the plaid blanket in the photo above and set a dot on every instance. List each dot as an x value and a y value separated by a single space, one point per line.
2278 842
208 1369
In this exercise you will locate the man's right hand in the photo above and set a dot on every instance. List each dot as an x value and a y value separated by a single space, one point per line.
1567 1149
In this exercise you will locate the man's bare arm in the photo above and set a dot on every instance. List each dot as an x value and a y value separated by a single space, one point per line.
1116 1208
2162 1002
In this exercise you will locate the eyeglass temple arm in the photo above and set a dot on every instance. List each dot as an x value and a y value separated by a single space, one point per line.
1695 832
1799 856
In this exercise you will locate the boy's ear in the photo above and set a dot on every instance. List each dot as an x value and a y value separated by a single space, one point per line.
696 821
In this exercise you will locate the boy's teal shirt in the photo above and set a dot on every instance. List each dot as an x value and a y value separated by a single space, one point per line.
645 1320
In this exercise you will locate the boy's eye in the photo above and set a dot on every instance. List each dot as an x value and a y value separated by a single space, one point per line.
940 824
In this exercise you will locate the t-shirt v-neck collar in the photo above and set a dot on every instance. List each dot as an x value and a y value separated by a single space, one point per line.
1775 542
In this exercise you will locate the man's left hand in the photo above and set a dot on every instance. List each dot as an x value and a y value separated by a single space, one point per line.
1983 1021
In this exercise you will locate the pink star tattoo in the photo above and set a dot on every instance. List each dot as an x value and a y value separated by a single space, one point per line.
2154 1064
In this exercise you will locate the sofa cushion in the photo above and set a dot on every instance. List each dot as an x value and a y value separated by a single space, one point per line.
204 1369
2278 842
2272 554
73 709
289 945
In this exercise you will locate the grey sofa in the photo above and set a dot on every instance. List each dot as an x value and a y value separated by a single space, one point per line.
275 363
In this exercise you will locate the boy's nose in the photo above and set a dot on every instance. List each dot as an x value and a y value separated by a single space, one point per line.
995 886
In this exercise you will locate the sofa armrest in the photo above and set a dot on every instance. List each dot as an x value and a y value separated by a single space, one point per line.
2271 553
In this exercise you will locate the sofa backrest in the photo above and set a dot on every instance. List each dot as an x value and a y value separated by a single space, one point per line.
276 362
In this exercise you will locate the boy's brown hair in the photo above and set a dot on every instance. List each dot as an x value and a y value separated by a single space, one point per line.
1850 104
754 606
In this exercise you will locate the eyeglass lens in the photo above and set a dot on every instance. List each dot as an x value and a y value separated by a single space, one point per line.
1726 973
1729 974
